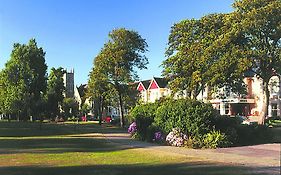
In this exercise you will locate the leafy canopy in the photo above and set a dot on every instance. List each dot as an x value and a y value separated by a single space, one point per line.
23 80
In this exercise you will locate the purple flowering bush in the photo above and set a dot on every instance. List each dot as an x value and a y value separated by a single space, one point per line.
132 128
176 138
158 137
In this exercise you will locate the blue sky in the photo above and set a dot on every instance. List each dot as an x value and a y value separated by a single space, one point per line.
72 32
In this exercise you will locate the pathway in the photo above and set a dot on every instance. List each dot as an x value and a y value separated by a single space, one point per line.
264 158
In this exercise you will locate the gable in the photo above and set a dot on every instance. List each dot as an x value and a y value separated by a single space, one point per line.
146 83
154 85
161 82
140 87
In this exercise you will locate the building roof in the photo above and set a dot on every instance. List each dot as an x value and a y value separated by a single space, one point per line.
249 73
162 82
146 83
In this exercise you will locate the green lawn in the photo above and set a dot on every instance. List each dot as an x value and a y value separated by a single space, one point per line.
275 123
66 149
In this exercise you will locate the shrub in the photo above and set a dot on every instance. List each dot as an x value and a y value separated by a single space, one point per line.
227 125
158 137
132 128
150 133
144 116
215 139
223 122
190 116
147 110
195 142
136 136
253 134
176 138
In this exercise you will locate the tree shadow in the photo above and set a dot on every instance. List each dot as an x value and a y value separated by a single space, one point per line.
57 145
32 129
60 138
141 169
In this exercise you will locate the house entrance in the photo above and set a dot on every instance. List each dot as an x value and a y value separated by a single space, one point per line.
240 109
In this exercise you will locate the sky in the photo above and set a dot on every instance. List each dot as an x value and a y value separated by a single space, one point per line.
72 32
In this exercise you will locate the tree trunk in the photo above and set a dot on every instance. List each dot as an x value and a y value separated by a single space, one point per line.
100 110
18 116
41 122
266 94
121 110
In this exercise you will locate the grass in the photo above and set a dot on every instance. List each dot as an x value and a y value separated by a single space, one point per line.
275 123
81 149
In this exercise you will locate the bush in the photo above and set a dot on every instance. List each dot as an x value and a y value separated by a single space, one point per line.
253 134
223 122
150 133
195 142
239 134
144 116
176 138
132 128
147 110
215 139
227 125
190 116
158 137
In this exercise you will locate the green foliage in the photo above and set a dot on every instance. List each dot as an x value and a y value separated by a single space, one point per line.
191 117
195 142
253 134
216 50
70 107
144 116
116 63
147 110
215 139
150 133
23 81
196 60
55 91
259 22
202 124
85 109
222 122
227 125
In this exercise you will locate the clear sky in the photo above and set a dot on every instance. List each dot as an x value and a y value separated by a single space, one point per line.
72 32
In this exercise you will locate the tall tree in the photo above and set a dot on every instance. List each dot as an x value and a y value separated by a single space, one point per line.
24 80
70 108
196 59
99 89
55 90
119 59
260 23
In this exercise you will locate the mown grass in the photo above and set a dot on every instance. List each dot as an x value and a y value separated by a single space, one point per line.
66 149
275 123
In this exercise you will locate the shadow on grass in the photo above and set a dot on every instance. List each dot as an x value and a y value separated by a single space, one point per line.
20 137
31 129
57 145
140 169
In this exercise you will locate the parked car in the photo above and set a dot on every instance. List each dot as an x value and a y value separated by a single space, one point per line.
92 118
245 120
111 119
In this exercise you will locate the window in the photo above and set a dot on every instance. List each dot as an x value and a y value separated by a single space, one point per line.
274 110
226 108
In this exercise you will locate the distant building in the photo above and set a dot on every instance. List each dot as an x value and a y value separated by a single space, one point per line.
251 104
71 91
154 89
225 101
77 97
